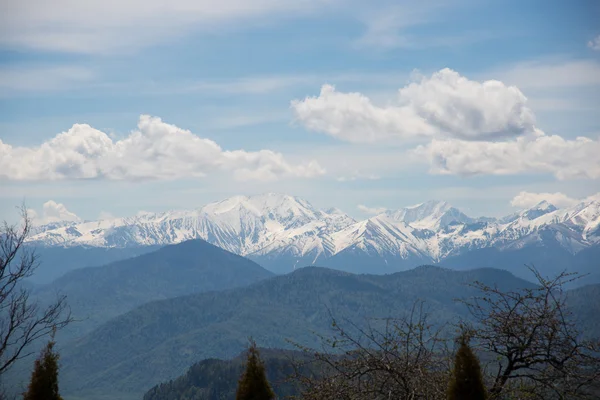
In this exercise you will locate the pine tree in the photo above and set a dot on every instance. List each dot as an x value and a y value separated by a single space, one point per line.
253 384
467 381
44 378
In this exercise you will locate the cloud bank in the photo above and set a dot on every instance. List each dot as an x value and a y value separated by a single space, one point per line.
156 150
445 105
469 128
565 159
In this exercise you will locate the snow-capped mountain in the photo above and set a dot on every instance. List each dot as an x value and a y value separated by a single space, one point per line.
431 215
283 231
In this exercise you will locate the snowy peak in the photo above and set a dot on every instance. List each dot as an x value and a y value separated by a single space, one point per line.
538 210
282 227
379 235
283 209
431 215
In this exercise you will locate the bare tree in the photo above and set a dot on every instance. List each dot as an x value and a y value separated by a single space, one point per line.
22 321
527 339
407 359
531 334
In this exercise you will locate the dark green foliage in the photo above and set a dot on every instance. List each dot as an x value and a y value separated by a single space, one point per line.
466 382
44 378
214 379
253 384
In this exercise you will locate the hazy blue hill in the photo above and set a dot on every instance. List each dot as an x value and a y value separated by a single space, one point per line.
549 260
97 294
160 340
56 261
357 261
585 304
213 379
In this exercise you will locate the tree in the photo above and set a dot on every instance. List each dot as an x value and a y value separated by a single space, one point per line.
22 321
527 336
533 337
467 381
253 384
403 360
44 378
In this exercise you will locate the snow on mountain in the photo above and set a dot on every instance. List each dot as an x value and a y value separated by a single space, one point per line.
278 226
380 235
431 215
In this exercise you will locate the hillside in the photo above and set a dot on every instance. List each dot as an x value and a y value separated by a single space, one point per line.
97 294
55 261
160 340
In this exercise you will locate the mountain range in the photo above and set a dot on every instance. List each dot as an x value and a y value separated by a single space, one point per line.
282 232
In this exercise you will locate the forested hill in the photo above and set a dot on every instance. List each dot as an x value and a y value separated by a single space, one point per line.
160 340
96 294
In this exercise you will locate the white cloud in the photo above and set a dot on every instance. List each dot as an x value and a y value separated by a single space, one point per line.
565 159
371 210
52 212
385 28
528 199
156 150
93 26
558 199
42 78
549 73
471 128
388 26
594 44
443 105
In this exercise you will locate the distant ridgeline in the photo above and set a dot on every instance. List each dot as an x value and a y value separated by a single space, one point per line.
282 232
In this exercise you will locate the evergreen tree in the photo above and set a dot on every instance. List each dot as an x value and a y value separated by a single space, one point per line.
467 381
253 384
44 378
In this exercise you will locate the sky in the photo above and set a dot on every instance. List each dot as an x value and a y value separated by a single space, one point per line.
108 108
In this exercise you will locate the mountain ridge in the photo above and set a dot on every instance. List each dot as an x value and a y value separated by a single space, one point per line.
282 231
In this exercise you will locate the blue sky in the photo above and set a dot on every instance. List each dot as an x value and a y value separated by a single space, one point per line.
246 78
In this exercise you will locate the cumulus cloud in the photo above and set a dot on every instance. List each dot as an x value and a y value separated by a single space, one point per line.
52 212
540 153
445 105
156 150
529 199
371 210
594 44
